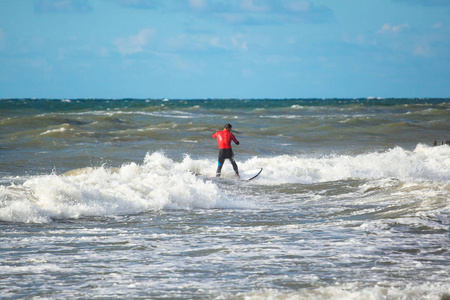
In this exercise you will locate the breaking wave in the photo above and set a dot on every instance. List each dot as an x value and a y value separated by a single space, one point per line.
161 183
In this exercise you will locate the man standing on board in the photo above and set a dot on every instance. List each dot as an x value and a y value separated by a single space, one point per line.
224 139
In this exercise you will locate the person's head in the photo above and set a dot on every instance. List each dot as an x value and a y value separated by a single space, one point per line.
227 127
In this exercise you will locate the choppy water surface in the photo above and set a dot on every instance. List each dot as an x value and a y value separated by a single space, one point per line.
117 199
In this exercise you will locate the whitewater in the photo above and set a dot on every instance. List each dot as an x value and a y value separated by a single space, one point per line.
119 199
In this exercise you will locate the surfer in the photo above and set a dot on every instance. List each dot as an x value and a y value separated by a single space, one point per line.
224 139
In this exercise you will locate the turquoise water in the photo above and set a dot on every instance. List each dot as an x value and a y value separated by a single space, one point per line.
117 199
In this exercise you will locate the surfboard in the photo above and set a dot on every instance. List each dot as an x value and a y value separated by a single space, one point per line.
250 174
246 175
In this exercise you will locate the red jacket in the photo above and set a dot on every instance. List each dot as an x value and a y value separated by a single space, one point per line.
224 139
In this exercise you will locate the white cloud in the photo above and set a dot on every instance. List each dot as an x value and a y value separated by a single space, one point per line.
422 50
103 52
248 5
197 4
359 39
214 41
388 28
438 25
238 41
206 7
205 41
134 43
299 6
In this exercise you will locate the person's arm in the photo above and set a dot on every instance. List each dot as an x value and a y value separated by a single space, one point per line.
234 139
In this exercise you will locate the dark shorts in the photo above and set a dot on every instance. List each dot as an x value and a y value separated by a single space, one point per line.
225 153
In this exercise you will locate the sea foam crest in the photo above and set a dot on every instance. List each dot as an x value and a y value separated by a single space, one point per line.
159 183
422 164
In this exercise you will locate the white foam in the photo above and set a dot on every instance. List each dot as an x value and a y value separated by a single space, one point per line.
380 291
61 129
159 183
422 164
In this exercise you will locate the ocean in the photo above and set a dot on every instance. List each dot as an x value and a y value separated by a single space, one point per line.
118 199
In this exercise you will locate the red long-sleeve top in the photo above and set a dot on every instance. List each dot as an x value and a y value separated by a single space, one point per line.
224 139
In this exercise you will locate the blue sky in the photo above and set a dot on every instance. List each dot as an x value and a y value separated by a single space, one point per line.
185 49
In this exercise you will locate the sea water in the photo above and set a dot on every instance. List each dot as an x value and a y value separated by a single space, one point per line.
118 199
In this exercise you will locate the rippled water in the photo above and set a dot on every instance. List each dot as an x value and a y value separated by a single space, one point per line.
117 199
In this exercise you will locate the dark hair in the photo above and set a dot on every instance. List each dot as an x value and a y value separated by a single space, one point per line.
227 126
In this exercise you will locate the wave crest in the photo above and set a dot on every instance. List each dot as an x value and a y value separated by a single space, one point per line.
159 183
